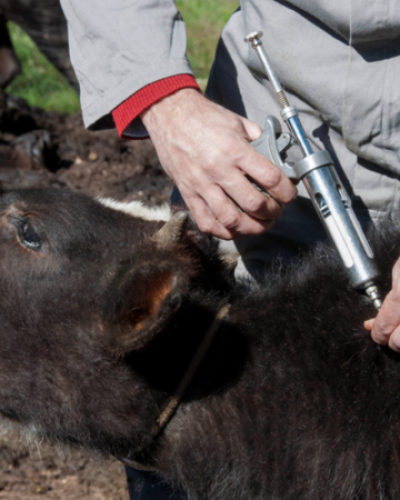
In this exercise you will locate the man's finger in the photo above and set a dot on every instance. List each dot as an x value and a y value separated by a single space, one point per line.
394 340
252 129
205 219
234 220
369 324
269 176
388 319
249 198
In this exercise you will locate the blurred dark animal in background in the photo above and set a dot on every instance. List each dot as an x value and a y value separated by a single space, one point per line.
44 22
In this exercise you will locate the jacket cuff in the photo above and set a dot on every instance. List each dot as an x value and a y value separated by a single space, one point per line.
130 109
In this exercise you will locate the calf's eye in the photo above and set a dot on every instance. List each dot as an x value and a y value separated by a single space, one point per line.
28 236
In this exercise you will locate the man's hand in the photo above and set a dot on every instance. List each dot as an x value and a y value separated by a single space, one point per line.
385 328
205 149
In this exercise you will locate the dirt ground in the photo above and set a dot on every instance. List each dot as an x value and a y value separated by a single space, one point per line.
30 470
39 149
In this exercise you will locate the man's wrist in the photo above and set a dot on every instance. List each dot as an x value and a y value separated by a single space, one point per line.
172 107
135 105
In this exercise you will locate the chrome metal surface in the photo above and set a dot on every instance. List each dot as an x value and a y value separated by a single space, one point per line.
289 112
255 39
315 160
296 128
373 293
323 185
337 218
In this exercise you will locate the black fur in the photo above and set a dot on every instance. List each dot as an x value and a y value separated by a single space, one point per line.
293 400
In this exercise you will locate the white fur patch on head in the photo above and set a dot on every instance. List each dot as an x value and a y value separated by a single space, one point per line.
137 209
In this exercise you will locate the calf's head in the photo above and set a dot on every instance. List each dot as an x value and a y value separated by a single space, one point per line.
83 287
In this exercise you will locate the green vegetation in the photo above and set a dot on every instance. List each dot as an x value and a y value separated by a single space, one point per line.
43 86
204 21
40 83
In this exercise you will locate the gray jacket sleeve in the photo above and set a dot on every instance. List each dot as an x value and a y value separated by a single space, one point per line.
119 46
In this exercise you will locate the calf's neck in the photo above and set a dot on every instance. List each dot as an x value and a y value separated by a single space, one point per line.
103 306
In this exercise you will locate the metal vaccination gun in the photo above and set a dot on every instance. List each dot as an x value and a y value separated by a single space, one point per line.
326 191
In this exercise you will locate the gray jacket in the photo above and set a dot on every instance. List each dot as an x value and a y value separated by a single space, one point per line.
339 62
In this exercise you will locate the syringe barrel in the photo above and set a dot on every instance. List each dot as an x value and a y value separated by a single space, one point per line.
333 206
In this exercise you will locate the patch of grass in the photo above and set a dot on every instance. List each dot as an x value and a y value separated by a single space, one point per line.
204 22
40 82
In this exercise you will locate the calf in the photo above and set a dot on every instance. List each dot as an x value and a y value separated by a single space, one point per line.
102 311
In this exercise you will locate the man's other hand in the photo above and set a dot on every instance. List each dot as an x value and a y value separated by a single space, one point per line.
205 150
385 328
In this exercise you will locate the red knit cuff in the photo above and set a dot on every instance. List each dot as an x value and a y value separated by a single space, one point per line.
126 112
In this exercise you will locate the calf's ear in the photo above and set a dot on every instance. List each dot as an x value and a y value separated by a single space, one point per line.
149 294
